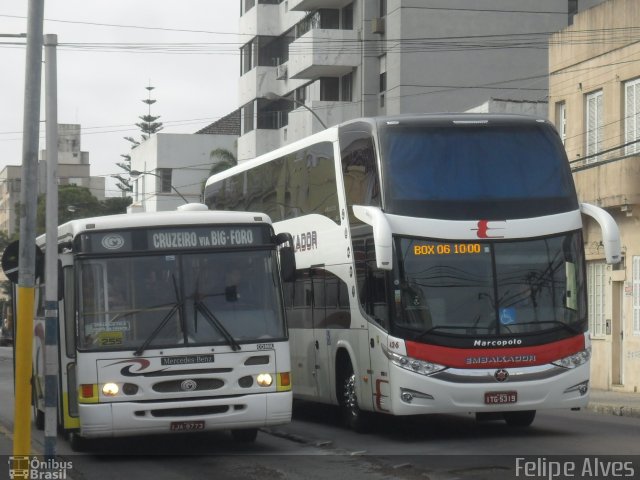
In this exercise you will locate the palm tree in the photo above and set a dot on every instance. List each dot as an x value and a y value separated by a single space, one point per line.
223 158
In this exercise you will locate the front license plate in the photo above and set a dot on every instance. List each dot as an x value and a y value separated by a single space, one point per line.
498 398
187 426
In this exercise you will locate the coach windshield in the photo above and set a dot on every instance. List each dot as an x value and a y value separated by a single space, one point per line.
455 288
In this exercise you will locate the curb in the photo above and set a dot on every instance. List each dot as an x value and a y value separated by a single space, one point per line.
618 410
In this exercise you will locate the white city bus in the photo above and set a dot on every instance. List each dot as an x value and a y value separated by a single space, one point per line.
440 264
169 322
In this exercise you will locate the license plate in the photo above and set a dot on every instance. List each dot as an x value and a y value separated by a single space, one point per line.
498 398
187 426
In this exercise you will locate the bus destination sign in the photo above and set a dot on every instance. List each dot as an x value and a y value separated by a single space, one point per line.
181 238
449 249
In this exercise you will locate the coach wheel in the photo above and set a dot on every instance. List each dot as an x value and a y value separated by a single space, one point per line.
519 419
353 417
245 435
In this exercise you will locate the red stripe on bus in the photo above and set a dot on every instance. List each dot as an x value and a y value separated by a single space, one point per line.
495 357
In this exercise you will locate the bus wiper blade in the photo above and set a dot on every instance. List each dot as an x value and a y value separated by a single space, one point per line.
211 318
439 327
566 326
153 335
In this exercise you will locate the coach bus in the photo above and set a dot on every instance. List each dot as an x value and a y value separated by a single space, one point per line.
169 322
440 264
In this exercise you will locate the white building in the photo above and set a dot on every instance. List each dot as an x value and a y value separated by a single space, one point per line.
342 59
173 167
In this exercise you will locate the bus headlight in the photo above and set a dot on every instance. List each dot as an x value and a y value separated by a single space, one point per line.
110 389
575 360
413 364
264 379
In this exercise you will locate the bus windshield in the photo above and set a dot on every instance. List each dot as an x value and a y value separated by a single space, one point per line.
470 172
492 289
217 298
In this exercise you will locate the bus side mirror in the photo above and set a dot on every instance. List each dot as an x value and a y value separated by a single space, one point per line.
382 237
287 257
60 281
10 260
231 293
610 231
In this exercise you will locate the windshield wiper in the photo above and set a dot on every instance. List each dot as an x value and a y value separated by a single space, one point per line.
153 335
211 318
566 326
176 306
439 327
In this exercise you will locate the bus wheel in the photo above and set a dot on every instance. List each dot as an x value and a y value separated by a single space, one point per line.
519 419
354 418
38 415
245 435
77 442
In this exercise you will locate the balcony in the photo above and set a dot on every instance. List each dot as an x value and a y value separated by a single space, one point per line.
610 183
263 19
257 81
324 53
308 5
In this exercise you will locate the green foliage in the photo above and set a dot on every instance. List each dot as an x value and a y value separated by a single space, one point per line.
223 159
78 202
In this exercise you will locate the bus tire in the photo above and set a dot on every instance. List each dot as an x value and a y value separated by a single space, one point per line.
245 435
353 417
523 418
38 415
77 442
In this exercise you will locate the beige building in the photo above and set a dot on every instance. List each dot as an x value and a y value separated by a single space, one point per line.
594 98
73 169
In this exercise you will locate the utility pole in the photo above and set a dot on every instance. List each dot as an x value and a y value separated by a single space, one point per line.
27 248
51 257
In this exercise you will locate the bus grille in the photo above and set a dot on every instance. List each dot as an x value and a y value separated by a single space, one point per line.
189 385
189 411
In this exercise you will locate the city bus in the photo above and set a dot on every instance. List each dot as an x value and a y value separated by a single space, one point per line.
169 322
440 264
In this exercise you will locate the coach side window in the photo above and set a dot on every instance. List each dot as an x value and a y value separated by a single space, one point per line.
359 170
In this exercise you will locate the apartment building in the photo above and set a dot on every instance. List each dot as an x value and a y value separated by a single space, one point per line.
73 169
307 64
594 98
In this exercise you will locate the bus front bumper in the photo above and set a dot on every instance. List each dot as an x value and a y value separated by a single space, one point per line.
478 390
143 418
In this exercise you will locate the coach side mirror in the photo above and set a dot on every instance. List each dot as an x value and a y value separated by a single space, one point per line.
382 237
610 231
10 260
231 293
287 256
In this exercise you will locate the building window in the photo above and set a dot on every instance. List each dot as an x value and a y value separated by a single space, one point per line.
347 17
595 125
595 287
383 8
329 89
246 57
383 78
247 118
164 177
346 90
632 116
572 9
561 120
636 295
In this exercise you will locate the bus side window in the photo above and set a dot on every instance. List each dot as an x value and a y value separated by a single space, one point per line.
69 312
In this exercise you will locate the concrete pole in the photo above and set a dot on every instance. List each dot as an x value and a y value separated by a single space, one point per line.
27 249
51 257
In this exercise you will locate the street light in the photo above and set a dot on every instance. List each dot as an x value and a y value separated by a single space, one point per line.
136 173
275 96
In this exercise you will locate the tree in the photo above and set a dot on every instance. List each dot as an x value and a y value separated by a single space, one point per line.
223 159
148 126
78 202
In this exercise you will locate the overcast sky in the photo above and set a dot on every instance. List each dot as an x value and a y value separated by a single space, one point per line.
191 59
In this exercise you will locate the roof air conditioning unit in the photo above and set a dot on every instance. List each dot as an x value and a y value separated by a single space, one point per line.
377 25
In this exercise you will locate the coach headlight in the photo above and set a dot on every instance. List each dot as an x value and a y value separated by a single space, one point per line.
412 364
264 380
110 389
575 360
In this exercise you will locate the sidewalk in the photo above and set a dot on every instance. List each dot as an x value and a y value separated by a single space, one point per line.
622 404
